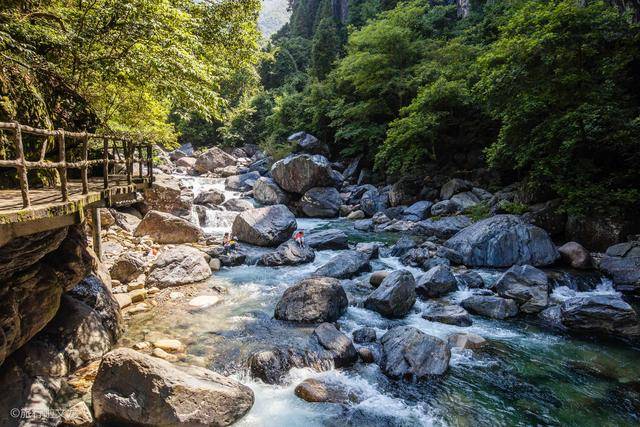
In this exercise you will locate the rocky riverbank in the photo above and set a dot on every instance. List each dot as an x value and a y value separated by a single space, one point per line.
396 282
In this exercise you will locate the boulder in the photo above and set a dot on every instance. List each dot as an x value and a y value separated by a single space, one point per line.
212 159
402 246
238 205
470 279
314 300
373 201
466 341
268 226
436 282
454 186
445 207
106 218
309 144
370 248
78 415
442 228
503 241
313 390
357 214
395 296
624 250
327 239
598 232
527 285
624 271
339 346
166 228
288 253
321 202
210 197
125 221
127 267
165 195
418 211
298 173
352 168
345 265
363 225
465 200
377 277
267 192
364 335
243 182
491 306
606 315
448 314
186 162
179 265
575 255
136 389
409 352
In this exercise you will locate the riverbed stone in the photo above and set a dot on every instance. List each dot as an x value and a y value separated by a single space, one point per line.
606 315
364 335
624 271
242 182
127 267
300 172
466 341
133 388
491 306
339 346
448 314
575 255
268 226
442 228
454 186
527 285
179 265
288 253
210 197
470 279
238 205
166 228
395 296
417 211
321 202
307 143
319 391
166 195
313 300
331 239
503 241
345 265
436 282
267 192
377 277
409 352
212 159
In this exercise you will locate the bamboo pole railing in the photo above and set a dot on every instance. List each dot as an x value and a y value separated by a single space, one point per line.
22 165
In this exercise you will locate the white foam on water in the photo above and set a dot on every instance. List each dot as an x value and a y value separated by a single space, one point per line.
562 293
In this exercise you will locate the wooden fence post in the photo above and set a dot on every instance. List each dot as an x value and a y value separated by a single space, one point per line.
105 162
97 239
150 163
85 159
22 169
62 170
127 154
140 160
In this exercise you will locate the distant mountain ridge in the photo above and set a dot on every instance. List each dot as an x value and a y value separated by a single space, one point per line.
273 16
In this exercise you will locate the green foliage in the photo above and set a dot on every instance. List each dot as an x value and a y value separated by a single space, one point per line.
478 212
514 208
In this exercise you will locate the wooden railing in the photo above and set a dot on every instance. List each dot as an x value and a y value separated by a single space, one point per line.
107 142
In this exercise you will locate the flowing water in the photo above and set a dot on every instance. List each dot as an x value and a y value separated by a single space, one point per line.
526 376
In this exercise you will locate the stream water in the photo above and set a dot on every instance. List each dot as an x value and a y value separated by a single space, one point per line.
525 376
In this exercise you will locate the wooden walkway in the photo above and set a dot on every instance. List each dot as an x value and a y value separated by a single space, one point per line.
26 210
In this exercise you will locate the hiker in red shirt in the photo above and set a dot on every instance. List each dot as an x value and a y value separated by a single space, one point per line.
299 238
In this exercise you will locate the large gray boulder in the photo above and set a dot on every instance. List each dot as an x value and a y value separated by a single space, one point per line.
321 202
268 226
345 265
300 172
243 182
238 205
503 241
624 271
442 228
327 239
267 192
210 197
575 255
417 211
527 285
179 265
395 296
373 201
448 314
454 186
166 228
338 345
132 388
127 267
436 282
491 306
307 143
409 352
606 315
212 159
314 300
288 253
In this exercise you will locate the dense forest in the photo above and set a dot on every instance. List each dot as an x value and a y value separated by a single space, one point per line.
547 92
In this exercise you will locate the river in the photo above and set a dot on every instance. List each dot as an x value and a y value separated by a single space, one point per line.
525 376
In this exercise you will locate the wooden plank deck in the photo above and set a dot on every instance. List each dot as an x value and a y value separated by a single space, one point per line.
48 211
